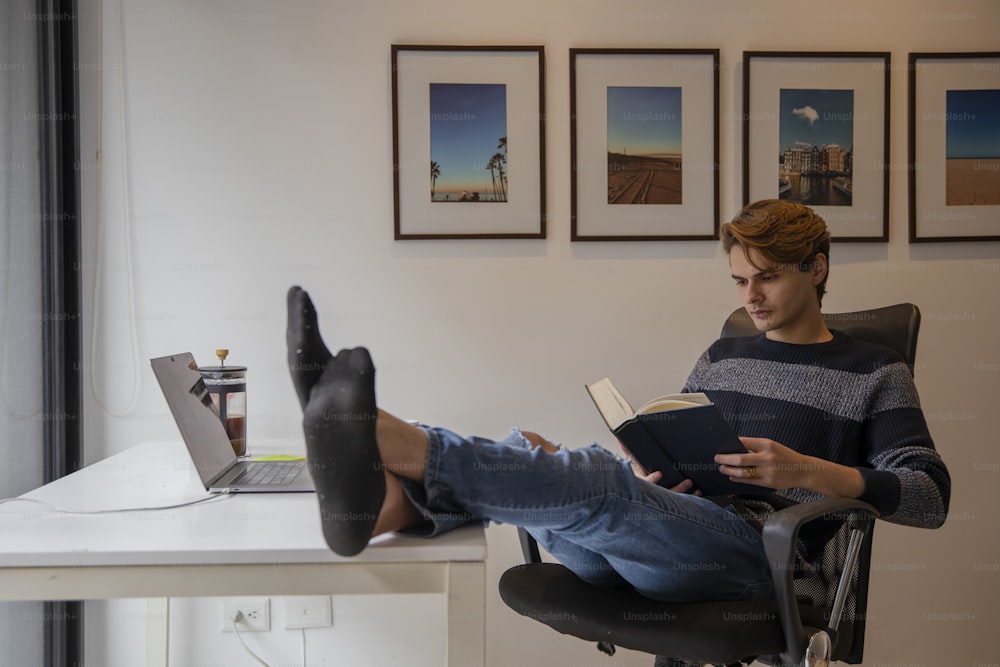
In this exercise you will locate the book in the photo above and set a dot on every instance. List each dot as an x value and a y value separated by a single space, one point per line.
678 435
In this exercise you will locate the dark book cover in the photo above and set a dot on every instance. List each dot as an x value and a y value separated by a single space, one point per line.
678 435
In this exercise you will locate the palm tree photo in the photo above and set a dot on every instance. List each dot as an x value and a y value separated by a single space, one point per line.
435 173
468 137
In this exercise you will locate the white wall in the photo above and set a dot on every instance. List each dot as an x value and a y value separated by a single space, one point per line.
257 154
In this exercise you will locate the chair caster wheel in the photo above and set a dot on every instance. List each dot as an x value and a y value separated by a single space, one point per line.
819 650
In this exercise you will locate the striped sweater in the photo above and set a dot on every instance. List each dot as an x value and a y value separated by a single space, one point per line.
846 401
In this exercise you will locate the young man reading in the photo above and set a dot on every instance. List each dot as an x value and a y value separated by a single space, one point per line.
819 413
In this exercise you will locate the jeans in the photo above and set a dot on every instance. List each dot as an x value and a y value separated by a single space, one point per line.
588 510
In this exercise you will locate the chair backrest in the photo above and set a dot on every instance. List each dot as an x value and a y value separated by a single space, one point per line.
895 327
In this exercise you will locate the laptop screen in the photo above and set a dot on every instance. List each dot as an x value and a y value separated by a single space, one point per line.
195 414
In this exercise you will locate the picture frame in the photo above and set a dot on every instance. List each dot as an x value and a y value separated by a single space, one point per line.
954 147
663 106
468 142
816 131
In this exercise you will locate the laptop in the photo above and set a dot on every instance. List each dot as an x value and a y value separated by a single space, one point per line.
206 439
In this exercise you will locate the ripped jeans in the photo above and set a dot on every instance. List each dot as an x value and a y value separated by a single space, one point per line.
588 510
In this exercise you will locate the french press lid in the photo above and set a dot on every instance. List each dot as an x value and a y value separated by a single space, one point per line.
223 372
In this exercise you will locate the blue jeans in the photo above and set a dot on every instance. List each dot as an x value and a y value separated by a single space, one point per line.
586 508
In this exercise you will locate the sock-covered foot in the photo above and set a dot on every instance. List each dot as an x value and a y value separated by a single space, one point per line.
307 353
339 425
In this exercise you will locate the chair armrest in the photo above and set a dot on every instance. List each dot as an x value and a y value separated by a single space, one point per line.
529 547
780 534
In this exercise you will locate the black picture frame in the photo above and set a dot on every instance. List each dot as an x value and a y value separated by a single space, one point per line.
511 202
852 195
954 190
682 194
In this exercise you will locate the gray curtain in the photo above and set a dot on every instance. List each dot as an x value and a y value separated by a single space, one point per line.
21 390
40 313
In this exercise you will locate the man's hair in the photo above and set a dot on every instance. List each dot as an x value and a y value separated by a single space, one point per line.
783 232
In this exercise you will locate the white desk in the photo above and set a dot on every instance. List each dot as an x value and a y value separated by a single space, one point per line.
242 544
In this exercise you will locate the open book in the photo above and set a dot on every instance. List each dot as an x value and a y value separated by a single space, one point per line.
679 435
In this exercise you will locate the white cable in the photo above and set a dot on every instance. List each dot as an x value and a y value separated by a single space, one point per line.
166 621
303 631
54 508
126 219
236 617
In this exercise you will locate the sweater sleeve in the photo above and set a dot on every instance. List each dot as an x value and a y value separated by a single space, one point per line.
695 378
905 478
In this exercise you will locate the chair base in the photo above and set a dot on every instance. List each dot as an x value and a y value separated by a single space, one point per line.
551 594
670 662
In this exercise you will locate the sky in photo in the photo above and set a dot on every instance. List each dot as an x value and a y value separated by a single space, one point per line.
973 124
816 118
644 120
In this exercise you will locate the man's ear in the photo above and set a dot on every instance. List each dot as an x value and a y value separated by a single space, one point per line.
819 268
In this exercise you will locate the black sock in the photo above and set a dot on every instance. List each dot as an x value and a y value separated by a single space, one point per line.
339 425
307 353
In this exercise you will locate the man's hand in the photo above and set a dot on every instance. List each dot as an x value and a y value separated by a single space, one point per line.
686 486
771 464
766 463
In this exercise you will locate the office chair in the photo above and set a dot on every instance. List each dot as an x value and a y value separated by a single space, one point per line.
810 622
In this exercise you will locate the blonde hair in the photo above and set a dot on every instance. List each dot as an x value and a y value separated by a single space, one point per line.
783 232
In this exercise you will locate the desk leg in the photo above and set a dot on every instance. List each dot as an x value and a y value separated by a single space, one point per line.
466 614
158 632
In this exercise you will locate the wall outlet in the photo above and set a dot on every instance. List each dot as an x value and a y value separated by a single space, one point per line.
256 614
308 611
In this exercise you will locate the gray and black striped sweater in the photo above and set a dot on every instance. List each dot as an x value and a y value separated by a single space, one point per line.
846 401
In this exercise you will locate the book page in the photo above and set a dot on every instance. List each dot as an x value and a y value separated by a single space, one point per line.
674 402
610 403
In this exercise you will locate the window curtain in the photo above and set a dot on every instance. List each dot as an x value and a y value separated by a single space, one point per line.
40 413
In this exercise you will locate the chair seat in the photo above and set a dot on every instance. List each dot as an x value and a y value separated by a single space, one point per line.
553 595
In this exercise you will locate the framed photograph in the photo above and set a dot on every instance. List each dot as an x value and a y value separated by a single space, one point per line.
468 142
644 144
816 131
954 147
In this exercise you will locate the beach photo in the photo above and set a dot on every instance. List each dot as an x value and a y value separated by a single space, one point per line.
972 148
644 145
468 129
815 151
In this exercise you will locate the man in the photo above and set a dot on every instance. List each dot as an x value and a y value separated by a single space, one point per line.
820 415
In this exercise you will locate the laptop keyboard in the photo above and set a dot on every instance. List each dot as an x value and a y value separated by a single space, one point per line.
278 473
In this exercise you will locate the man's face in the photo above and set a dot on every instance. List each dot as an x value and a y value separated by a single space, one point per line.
781 300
